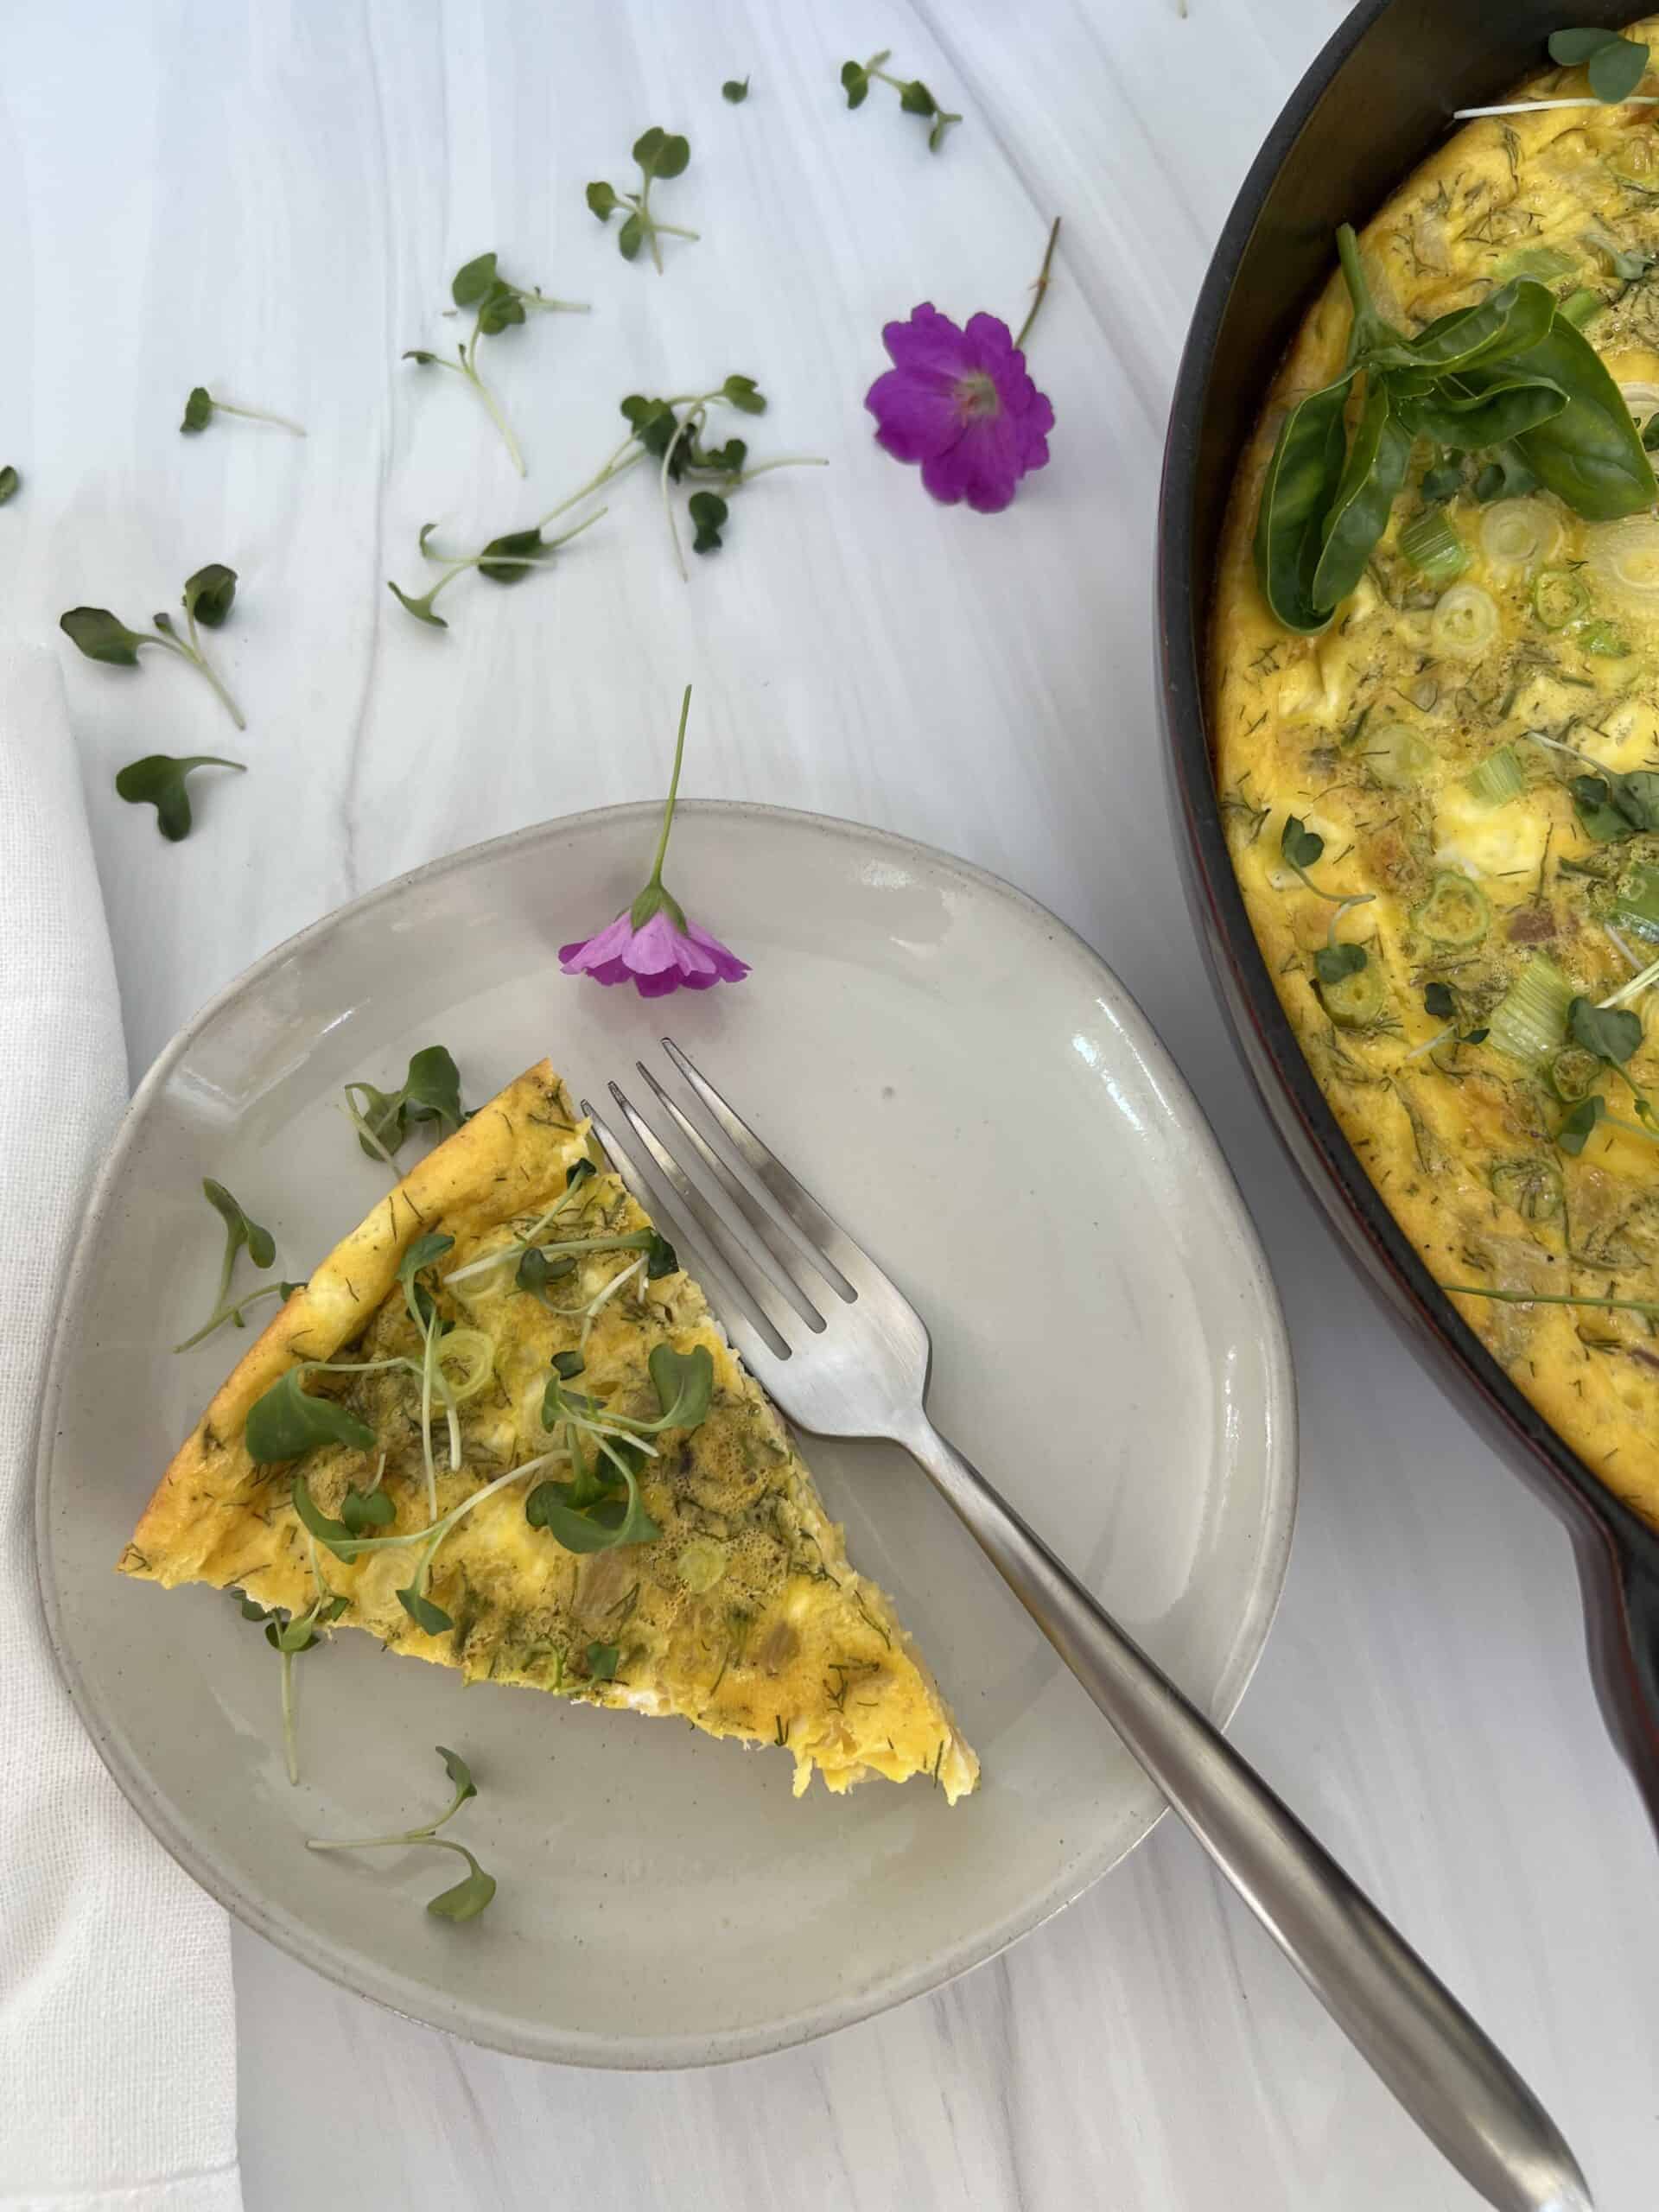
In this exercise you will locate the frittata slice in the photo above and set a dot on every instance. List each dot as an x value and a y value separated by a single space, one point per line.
737 1610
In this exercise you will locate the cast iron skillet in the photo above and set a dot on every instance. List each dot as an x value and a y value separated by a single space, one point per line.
1374 103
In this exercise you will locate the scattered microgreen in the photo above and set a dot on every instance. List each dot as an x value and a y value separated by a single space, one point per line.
505 560
287 1422
11 483
668 431
236 1310
602 1661
430 1092
857 76
158 780
474 1891
736 90
601 1507
1510 377
208 595
242 1234
1573 1133
1439 1000
289 1635
200 408
496 305
1610 807
661 155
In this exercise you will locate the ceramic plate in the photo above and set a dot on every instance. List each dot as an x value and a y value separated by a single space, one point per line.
977 1098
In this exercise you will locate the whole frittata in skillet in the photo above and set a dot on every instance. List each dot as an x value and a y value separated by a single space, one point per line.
1434 693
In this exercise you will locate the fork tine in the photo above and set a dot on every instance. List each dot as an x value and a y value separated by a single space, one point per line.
789 1266
768 1300
759 1356
843 1263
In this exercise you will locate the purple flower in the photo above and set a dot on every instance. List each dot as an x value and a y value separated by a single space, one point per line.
651 944
960 402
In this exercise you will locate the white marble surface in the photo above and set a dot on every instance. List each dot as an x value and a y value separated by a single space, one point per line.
270 195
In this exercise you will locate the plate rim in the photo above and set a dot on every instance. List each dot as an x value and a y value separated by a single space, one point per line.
1272 1552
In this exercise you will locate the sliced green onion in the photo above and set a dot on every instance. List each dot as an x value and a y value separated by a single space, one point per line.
466 1362
1636 907
1499 779
1519 533
1558 597
1465 622
1624 556
1605 641
1530 1021
1456 911
1396 757
1434 548
1357 999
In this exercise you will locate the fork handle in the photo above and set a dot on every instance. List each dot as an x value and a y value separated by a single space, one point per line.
1458 2088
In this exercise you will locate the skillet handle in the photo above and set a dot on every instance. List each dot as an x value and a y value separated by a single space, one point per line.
1452 2080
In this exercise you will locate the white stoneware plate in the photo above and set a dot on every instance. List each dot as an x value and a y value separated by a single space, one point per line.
975 1096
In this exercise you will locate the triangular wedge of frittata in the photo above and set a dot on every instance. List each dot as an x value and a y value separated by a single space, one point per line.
617 1513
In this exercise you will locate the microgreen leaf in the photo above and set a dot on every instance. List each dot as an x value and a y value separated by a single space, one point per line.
287 1422
741 393
198 409
567 1365
158 780
856 82
602 1660
603 200
684 1384
361 1510
1611 1033
709 511
631 238
916 99
419 355
469 1896
583 1525
661 153
1300 846
1612 806
424 1614
504 558
420 1254
1574 1131
661 1258
430 1092
1615 68
461 1774
96 632
473 280
735 89
210 594
1333 963
241 1230
421 608
10 481
1439 1001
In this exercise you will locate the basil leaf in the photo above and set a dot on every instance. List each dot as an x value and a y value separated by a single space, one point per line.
1371 481
1589 455
1470 422
287 1422
1507 321
1297 494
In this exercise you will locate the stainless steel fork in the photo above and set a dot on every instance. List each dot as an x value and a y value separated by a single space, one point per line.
844 1353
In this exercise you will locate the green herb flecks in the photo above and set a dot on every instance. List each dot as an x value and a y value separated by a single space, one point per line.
1509 377
474 1891
158 780
857 76
430 1093
208 596
496 306
661 155
200 408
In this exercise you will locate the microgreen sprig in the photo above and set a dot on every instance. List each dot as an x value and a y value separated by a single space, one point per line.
1615 67
430 1092
289 1635
237 1309
505 560
661 155
499 305
200 408
158 780
586 1514
669 431
470 1895
208 596
1302 849
856 77
242 1234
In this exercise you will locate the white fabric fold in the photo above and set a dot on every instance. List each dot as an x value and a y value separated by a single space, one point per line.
118 2032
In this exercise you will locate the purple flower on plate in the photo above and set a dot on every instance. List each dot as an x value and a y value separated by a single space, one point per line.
651 944
960 402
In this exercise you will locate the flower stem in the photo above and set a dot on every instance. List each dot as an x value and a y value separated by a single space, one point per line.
1041 289
655 877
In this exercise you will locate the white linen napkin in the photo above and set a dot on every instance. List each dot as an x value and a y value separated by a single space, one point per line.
118 2033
